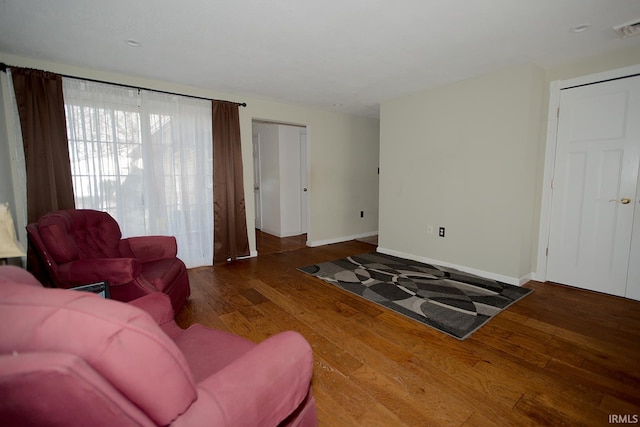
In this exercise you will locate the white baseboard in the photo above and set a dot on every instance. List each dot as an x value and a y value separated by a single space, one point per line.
281 235
486 274
314 243
525 279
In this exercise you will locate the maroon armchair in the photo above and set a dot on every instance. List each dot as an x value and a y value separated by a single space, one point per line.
70 358
82 246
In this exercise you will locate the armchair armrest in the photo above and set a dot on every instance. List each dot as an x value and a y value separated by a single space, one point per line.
116 271
260 388
157 304
150 248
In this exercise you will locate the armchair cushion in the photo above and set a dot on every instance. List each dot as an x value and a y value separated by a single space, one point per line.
115 271
80 233
162 273
63 247
157 305
37 380
278 381
206 356
150 248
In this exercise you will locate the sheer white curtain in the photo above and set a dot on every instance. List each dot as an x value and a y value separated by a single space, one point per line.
15 163
146 158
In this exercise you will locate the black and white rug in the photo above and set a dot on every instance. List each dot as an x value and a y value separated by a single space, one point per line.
449 300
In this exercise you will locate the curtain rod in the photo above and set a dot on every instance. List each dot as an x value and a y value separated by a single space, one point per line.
3 68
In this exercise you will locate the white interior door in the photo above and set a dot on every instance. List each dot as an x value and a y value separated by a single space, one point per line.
256 181
595 186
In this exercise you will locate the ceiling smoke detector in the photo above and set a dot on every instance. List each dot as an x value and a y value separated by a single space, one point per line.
630 29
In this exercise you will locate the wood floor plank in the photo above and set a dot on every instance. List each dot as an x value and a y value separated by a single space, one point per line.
457 380
379 416
613 405
414 405
335 391
604 385
560 356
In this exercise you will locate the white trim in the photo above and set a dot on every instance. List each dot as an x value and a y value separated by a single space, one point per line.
281 235
550 150
314 243
524 279
549 161
487 275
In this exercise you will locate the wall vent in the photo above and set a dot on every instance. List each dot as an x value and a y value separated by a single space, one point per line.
630 29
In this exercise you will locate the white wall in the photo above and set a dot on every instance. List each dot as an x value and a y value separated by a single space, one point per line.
343 152
464 156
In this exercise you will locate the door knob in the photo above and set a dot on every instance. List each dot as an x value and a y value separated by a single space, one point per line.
304 189
624 200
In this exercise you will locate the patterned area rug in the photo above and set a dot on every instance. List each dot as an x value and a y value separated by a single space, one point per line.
446 299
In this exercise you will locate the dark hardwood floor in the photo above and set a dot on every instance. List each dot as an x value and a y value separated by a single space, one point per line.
270 244
560 356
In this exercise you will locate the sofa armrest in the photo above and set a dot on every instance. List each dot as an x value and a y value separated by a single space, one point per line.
150 248
260 388
116 271
157 304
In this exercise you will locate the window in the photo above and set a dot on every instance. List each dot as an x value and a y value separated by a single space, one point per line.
146 158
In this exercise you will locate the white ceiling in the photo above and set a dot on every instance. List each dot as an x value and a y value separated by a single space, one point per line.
357 53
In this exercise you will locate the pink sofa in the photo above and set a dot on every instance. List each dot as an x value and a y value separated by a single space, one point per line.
71 358
82 246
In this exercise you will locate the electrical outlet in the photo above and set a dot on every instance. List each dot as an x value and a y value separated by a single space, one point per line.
361 214
441 232
430 229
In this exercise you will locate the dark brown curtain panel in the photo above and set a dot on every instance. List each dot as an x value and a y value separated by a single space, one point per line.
44 134
230 236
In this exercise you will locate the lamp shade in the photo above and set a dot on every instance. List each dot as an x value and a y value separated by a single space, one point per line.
9 246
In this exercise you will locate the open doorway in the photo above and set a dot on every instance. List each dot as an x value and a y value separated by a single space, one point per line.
280 165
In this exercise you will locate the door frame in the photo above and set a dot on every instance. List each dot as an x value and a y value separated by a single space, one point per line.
304 178
307 165
550 154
